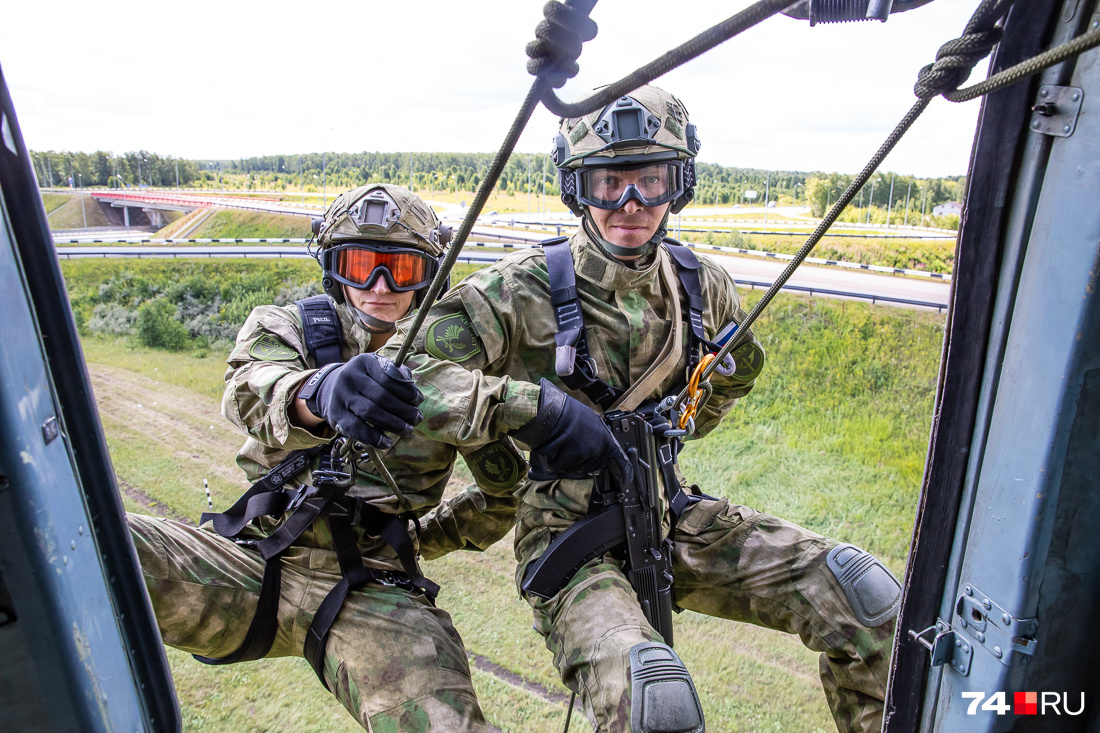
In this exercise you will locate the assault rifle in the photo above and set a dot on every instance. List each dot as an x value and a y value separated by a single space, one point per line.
624 518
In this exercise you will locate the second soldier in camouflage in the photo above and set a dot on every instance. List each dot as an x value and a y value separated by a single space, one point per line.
497 357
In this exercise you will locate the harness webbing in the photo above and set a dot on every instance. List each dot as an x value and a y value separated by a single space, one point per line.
266 497
322 329
572 361
577 369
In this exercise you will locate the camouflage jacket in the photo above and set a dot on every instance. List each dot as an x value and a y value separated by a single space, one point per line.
266 368
487 343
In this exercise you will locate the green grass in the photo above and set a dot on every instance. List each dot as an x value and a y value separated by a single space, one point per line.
833 438
252 224
196 372
54 201
931 255
70 215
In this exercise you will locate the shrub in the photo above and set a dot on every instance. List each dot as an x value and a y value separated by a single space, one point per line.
112 318
157 326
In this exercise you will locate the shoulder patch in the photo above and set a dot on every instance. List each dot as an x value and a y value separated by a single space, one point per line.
495 466
452 337
749 358
269 348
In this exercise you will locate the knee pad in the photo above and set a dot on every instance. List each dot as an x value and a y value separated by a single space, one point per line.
873 593
662 695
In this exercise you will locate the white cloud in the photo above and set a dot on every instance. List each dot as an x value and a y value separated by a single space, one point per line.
228 80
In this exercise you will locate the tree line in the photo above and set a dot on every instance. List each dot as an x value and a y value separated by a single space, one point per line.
454 172
101 168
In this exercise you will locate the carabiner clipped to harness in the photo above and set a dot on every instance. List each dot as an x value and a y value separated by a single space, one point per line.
333 474
698 393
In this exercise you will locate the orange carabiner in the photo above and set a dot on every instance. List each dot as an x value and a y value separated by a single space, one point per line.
693 391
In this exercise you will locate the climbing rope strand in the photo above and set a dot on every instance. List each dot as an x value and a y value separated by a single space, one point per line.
482 195
703 42
949 57
1024 69
846 198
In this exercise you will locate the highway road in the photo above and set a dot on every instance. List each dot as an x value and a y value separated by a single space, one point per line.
748 271
817 278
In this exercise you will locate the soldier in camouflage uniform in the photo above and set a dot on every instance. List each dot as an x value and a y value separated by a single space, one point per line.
489 363
392 658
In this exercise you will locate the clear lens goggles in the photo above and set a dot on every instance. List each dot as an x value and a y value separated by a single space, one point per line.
360 265
650 184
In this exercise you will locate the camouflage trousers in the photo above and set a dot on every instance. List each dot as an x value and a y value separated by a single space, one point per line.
729 562
393 659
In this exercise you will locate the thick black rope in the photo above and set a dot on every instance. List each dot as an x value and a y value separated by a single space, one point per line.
954 61
703 42
482 195
558 42
556 34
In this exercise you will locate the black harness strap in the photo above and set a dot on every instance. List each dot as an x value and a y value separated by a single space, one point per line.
322 329
307 505
264 498
572 362
355 575
577 369
687 267
265 622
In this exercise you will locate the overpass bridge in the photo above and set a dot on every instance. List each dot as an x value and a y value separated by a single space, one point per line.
153 203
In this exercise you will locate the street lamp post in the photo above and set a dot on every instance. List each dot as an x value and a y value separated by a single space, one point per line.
890 201
767 188
907 192
871 201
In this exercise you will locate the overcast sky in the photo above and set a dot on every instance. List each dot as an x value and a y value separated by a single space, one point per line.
234 79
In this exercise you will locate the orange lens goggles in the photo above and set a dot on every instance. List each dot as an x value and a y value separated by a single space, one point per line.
360 266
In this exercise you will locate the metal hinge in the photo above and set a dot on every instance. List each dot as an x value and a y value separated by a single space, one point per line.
945 646
1056 109
1009 639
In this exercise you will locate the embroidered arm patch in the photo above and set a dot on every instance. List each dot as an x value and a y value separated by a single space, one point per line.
497 466
453 338
270 348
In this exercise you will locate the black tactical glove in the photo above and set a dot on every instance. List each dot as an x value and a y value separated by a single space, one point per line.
569 440
364 397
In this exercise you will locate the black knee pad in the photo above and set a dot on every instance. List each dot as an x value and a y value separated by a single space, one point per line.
662 695
873 593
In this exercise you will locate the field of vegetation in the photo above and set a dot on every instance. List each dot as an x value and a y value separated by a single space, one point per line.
832 438
930 255
65 211
241 224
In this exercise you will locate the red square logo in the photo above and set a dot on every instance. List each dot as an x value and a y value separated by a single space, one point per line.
1026 703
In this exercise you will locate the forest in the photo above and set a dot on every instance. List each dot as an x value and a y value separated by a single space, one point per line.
456 172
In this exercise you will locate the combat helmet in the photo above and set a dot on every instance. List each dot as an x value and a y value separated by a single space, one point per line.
374 231
648 127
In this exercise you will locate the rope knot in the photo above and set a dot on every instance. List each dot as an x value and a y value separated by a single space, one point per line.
954 62
559 38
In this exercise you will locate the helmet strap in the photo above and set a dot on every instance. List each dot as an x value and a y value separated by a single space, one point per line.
618 252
